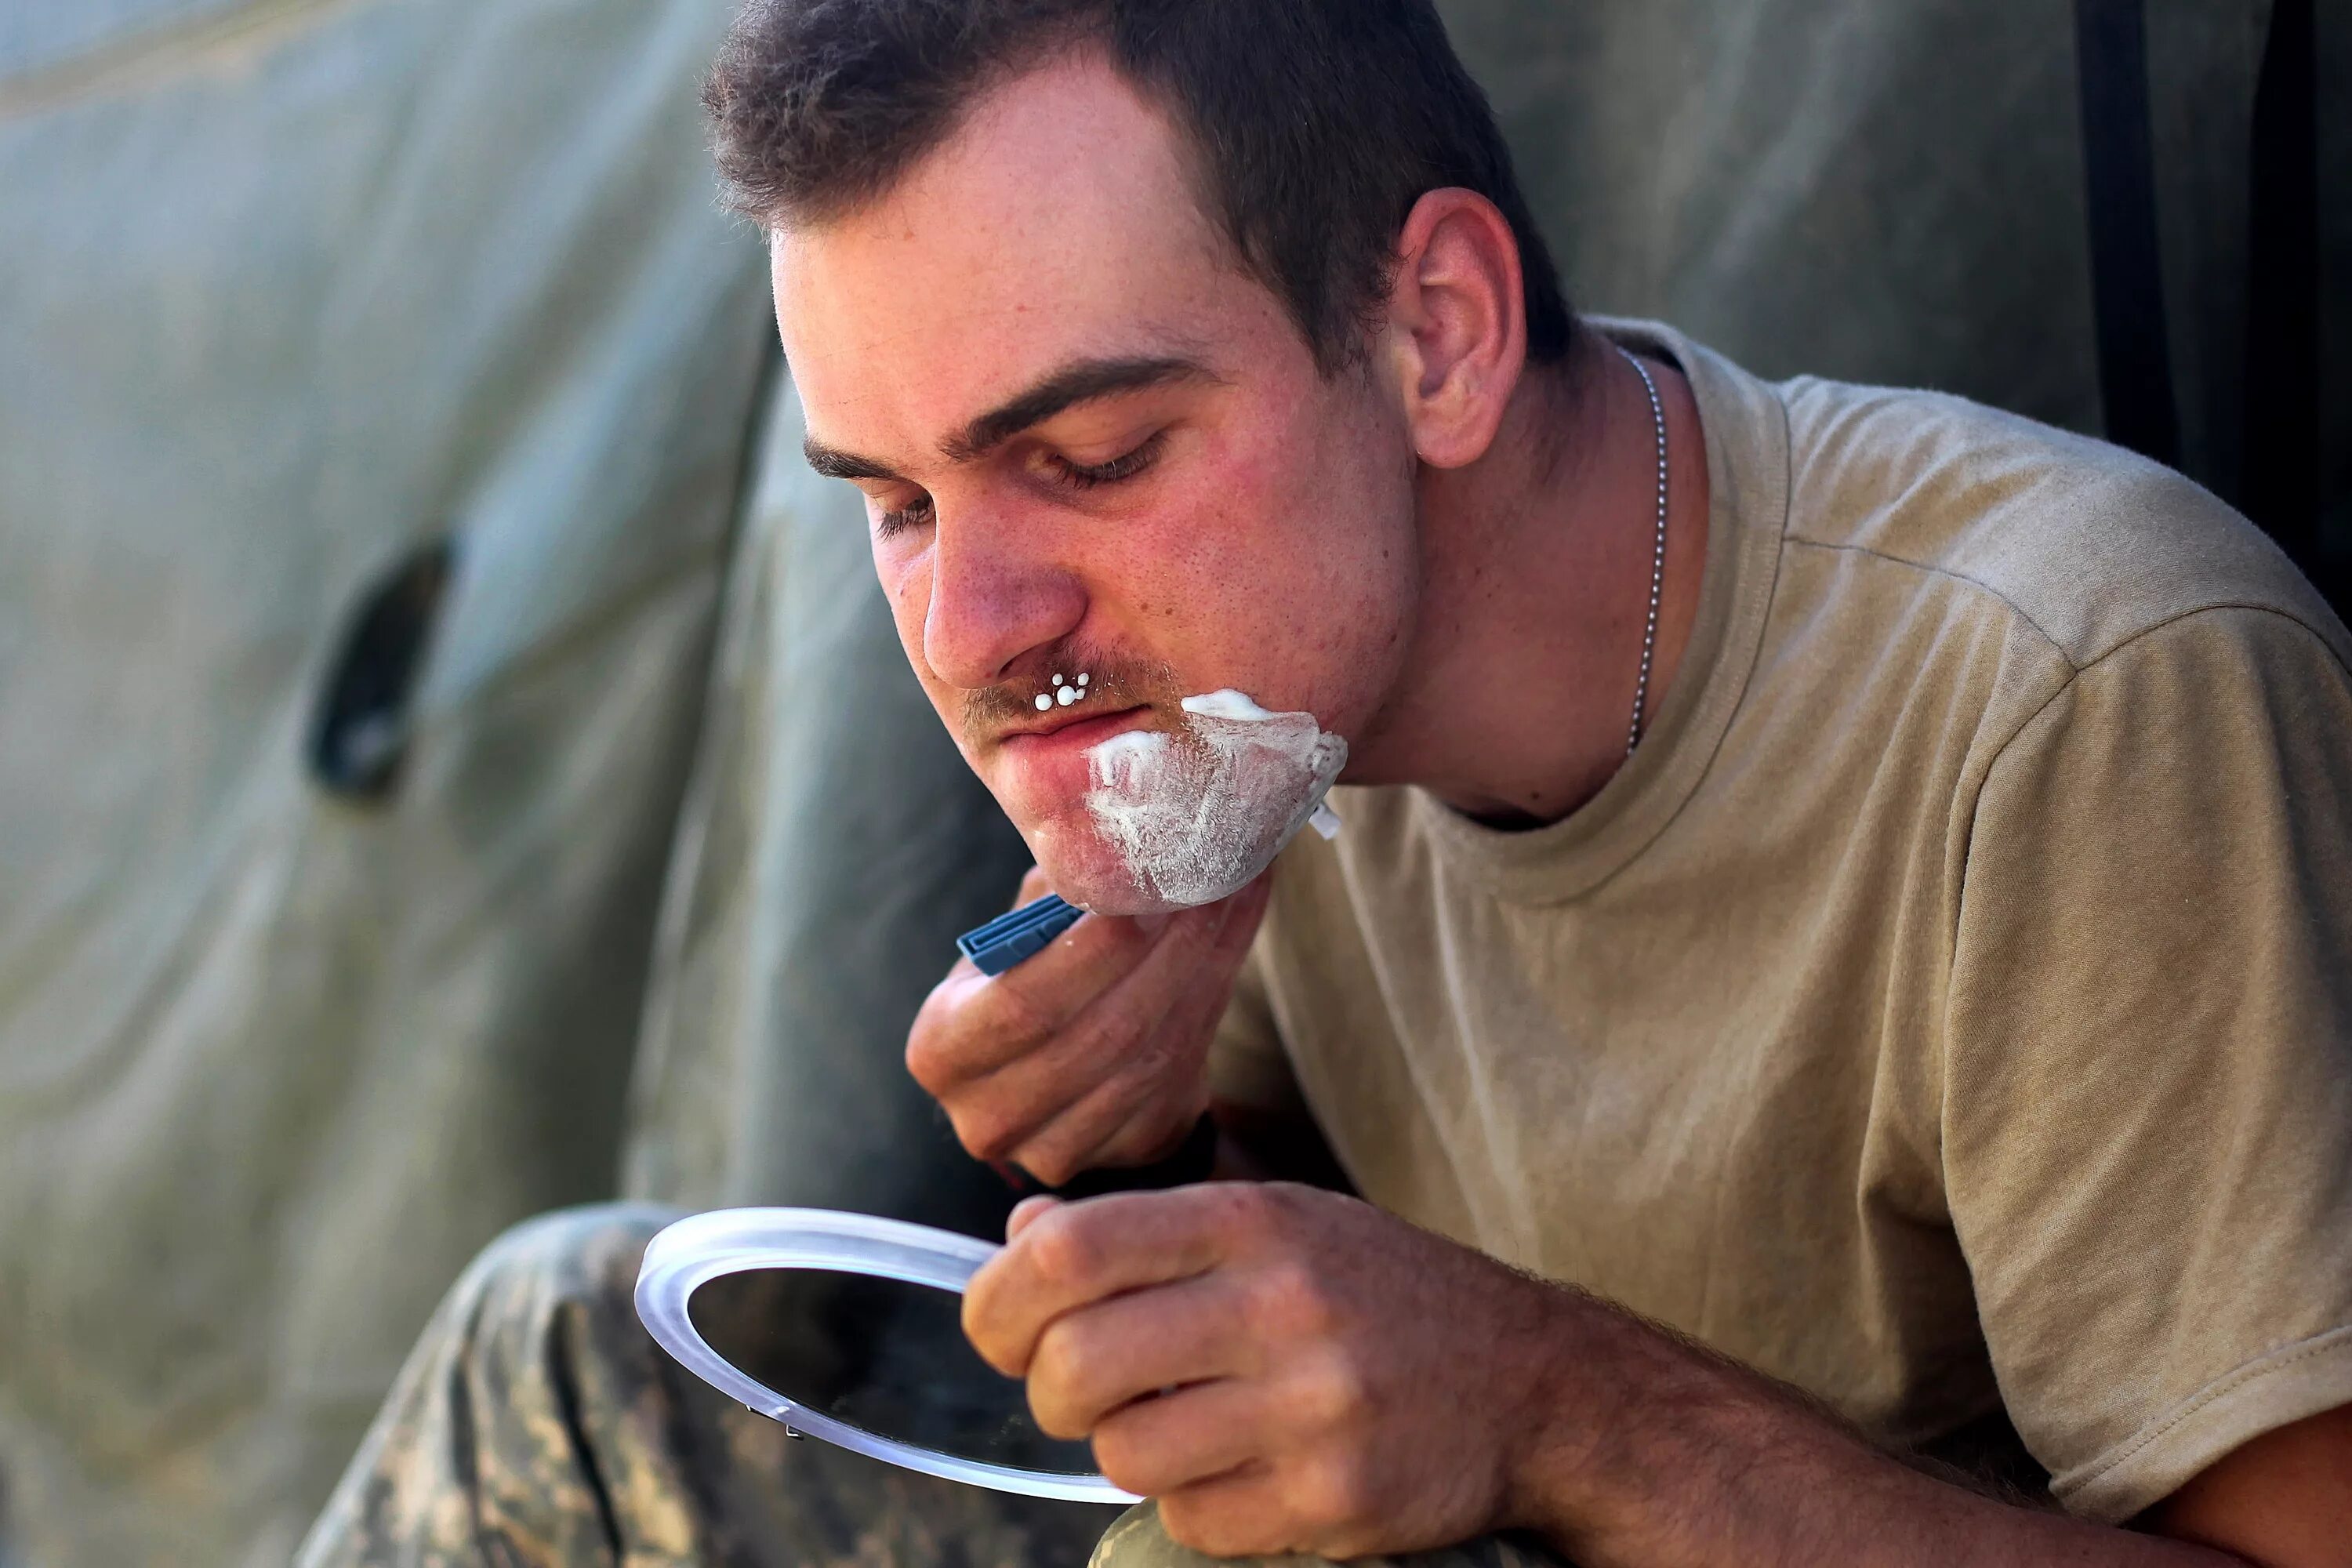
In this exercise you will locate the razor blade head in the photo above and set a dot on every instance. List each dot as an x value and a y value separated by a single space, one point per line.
1014 938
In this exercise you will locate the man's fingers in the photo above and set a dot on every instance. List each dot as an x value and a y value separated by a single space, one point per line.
1241 1513
1091 1361
1176 1051
1133 1066
1010 1057
1025 1213
1074 1140
1056 1109
1092 1051
973 1025
1191 956
1182 1438
1152 1131
1004 1115
1080 1252
1149 1094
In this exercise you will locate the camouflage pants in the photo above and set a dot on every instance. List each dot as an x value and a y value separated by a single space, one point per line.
537 1423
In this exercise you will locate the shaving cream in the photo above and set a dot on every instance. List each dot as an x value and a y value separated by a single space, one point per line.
1197 812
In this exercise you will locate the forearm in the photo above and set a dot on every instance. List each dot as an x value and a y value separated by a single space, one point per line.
1665 1457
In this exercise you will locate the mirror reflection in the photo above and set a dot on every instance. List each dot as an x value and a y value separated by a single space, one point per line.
885 1357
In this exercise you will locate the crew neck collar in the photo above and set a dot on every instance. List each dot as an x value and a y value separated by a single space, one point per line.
1747 463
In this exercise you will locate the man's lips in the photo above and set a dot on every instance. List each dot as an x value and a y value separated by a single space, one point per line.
1062 729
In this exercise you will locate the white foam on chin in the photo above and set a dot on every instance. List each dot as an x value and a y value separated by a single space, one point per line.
1196 814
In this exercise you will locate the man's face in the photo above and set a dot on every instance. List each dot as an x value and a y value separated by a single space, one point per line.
1091 446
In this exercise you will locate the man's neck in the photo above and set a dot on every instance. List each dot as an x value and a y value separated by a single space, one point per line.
1537 564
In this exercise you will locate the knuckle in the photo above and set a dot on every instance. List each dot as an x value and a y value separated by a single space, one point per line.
1291 1303
1077 1139
1174 1053
1062 1247
1182 1520
1058 1375
927 1056
1052 1167
928 1067
1201 1525
945 1041
985 1135
1252 1211
1333 1492
1335 1395
1124 1461
1139 1144
1054 1417
1016 1005
1109 1039
989 1343
1057 1154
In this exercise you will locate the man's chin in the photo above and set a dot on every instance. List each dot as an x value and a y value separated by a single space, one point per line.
1089 873
1097 878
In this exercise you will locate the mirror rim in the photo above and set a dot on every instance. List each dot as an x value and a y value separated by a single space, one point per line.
690 1253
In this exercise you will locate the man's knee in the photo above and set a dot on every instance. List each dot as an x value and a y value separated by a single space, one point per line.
1137 1540
569 1242
581 1260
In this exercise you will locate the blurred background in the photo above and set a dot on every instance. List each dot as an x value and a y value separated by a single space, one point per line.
454 760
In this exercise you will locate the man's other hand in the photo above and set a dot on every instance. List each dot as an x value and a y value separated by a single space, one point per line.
1095 1052
1285 1369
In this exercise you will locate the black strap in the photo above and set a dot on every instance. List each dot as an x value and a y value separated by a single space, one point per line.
360 724
2126 280
2281 487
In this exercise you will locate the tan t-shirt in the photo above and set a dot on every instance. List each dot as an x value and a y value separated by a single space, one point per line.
1949 1009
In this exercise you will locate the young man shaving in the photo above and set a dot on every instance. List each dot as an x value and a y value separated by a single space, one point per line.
1835 983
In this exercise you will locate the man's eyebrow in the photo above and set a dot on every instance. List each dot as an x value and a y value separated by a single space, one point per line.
836 464
1065 388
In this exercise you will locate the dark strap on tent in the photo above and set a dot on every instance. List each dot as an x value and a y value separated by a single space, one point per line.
360 722
2126 281
2281 487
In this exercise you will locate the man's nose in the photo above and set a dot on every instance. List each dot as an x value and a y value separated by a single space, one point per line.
993 599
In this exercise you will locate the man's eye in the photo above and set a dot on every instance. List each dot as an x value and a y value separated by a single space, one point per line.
891 520
1086 475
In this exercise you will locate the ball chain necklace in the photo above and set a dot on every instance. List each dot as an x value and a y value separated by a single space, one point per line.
1658 559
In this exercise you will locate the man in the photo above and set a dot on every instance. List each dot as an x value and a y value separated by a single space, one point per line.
1834 984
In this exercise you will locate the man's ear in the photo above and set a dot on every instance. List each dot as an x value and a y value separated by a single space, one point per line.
1457 324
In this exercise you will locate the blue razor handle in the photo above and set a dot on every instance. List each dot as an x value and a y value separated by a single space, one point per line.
1010 940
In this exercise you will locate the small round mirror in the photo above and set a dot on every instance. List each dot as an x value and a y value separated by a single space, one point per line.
847 1327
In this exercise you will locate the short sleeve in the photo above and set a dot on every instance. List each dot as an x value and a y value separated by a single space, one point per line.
1247 1066
2147 1069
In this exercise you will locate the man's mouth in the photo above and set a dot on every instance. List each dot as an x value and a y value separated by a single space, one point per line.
1064 730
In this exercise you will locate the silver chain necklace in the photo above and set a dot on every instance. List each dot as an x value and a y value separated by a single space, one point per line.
1658 561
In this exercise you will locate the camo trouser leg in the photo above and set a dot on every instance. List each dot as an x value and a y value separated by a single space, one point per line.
537 1424
1137 1540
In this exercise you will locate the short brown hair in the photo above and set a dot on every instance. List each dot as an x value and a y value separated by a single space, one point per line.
1315 125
